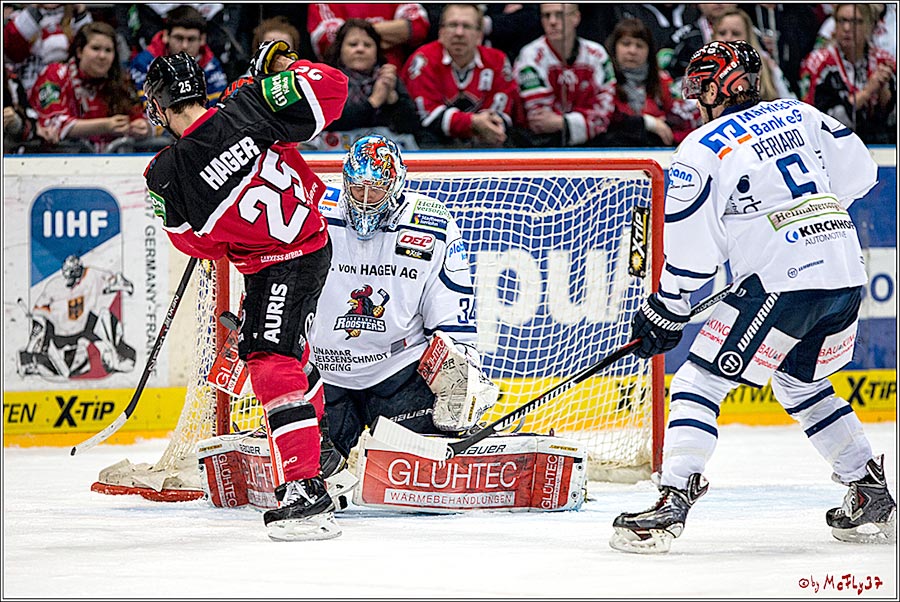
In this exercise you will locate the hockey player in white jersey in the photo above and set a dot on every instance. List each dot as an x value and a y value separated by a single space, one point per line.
765 186
399 286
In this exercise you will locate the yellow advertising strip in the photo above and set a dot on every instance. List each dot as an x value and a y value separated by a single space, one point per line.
65 418
71 416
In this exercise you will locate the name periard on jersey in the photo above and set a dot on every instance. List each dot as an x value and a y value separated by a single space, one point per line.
386 269
229 161
781 142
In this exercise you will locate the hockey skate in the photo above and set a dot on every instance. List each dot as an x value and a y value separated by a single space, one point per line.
306 512
868 514
339 481
652 531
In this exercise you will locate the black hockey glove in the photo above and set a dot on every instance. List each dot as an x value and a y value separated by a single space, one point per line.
261 62
658 328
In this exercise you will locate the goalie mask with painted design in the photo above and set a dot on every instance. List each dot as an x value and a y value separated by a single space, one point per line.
72 270
374 174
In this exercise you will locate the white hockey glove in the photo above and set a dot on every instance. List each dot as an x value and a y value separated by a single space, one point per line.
118 282
462 392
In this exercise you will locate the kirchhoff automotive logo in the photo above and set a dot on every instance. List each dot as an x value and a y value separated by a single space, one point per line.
821 232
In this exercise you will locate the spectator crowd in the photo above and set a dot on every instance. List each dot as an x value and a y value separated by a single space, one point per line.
590 75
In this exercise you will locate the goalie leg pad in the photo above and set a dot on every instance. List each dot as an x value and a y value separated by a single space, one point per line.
521 472
236 470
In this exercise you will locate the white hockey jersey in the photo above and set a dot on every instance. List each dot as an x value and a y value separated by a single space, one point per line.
766 188
68 308
384 296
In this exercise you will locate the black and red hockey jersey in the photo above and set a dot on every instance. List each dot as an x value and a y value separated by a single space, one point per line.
234 185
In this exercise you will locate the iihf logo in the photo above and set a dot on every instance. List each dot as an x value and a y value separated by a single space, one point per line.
363 314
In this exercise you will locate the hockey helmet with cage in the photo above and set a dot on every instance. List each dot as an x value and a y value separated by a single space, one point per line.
733 66
72 270
374 175
170 80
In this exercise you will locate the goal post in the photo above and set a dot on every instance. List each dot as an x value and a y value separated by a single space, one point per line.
556 246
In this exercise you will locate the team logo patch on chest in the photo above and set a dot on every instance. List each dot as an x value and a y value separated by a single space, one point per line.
364 314
418 245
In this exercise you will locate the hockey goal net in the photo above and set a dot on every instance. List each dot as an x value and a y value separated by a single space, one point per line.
562 251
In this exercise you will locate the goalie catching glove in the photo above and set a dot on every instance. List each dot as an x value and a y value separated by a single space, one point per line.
658 328
462 392
261 63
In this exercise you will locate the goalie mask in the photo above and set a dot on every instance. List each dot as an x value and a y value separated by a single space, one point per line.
171 80
733 66
72 270
374 174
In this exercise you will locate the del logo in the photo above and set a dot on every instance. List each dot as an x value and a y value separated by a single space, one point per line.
720 139
364 314
418 245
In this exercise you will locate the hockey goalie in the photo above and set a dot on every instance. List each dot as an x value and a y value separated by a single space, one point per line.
75 319
394 336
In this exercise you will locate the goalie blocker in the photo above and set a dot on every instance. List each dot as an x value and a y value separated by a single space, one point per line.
519 472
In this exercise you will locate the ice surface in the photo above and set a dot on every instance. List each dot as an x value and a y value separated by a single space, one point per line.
759 533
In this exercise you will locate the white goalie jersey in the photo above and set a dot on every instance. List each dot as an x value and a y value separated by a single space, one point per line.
771 184
385 295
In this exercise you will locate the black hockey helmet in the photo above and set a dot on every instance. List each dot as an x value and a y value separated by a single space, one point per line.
733 66
170 80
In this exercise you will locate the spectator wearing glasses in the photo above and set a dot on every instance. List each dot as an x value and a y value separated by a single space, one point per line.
565 82
852 80
465 92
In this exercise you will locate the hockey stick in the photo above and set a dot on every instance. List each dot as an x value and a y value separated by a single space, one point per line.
405 440
151 362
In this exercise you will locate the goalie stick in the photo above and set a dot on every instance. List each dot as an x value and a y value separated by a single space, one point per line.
403 439
151 362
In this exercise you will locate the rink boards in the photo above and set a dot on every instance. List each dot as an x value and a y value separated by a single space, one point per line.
58 205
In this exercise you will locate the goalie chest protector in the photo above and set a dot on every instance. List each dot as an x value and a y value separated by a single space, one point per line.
521 472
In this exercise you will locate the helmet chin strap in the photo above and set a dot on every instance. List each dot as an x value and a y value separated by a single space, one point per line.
710 106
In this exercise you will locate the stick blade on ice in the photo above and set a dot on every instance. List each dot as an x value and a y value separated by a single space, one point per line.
401 438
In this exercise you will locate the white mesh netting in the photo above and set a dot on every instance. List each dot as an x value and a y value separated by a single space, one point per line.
550 253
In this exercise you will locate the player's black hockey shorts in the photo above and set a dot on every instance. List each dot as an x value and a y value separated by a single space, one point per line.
280 301
404 397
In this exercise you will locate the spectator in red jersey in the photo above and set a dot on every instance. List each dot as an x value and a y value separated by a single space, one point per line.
89 97
377 100
402 27
853 81
185 30
464 92
21 132
565 82
40 34
646 114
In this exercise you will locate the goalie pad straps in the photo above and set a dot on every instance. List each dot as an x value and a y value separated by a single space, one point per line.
463 393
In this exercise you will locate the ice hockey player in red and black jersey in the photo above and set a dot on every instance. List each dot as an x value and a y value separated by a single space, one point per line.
234 185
